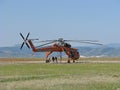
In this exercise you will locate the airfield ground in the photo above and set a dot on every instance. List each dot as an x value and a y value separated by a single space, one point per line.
35 74
42 60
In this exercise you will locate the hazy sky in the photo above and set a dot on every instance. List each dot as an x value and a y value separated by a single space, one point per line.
52 19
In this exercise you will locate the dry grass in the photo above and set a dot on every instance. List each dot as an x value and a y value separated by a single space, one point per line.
52 82
79 76
64 59
20 59
99 59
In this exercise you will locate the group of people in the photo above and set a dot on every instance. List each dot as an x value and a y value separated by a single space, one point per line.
53 59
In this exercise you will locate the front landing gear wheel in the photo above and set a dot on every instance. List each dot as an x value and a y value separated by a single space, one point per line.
47 61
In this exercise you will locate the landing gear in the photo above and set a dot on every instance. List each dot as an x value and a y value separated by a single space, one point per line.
48 61
73 61
68 61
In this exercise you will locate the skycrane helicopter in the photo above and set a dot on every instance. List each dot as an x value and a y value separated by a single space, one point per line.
59 45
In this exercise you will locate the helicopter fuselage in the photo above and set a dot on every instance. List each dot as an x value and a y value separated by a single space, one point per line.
72 53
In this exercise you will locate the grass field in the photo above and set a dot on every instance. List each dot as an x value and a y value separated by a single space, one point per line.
77 76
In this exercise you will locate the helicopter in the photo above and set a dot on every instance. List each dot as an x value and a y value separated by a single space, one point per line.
58 45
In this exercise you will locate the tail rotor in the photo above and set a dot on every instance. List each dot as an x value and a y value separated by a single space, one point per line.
25 40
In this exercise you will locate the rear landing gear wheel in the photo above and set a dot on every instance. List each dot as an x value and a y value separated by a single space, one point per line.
68 61
73 61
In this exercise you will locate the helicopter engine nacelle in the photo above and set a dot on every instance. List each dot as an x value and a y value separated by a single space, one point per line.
67 45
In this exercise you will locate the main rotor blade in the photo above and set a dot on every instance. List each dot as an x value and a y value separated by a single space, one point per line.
46 44
27 35
22 36
92 43
22 45
81 40
34 39
48 41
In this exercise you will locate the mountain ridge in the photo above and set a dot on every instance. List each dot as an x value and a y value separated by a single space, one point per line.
110 50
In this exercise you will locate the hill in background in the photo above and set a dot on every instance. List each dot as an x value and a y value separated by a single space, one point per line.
111 50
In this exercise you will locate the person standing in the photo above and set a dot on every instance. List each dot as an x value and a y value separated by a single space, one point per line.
53 59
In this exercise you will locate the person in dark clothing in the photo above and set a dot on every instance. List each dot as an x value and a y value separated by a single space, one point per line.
53 59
